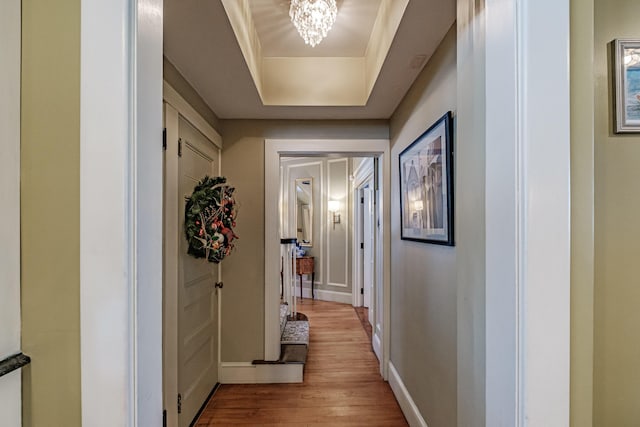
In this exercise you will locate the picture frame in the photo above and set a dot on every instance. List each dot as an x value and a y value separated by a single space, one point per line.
626 63
426 185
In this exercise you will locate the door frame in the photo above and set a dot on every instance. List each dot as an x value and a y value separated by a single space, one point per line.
527 278
174 107
274 149
362 175
121 191
10 57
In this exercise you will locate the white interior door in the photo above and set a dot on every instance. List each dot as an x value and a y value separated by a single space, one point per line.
368 257
197 302
10 385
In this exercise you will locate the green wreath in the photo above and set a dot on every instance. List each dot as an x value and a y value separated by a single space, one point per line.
210 215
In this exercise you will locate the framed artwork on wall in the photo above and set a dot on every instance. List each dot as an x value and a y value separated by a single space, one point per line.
626 61
426 185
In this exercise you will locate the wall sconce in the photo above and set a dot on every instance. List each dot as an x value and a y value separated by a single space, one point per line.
333 207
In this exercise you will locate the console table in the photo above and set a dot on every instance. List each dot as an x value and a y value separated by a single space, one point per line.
305 265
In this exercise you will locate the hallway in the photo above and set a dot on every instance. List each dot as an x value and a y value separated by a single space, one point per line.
342 385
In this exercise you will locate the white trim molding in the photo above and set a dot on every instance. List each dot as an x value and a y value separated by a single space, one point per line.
527 242
121 189
408 406
376 344
361 176
170 264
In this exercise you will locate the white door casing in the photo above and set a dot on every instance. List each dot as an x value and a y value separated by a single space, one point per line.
368 266
527 212
362 176
381 293
121 189
197 302
10 384
111 380
358 250
177 109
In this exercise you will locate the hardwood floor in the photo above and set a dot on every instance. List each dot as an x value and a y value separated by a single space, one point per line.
342 385
363 315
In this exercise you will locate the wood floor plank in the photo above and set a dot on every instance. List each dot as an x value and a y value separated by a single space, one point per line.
342 385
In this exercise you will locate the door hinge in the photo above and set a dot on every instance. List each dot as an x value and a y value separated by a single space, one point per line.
361 245
180 147
362 200
361 291
164 139
179 403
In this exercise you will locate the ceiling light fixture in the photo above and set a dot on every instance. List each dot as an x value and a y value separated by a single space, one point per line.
313 18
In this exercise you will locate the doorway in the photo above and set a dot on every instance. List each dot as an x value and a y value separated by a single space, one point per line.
375 149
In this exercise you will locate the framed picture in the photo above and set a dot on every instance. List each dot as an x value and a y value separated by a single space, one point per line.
627 84
426 185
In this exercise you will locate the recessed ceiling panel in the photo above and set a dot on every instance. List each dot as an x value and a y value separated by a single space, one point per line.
313 80
199 40
349 36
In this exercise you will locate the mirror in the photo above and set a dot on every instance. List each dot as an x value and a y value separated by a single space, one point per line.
304 211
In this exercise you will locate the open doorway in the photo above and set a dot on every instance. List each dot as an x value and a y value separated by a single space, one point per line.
339 156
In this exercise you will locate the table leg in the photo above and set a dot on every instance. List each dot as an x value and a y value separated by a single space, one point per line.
301 287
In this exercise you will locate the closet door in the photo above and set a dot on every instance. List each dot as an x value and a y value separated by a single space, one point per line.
197 302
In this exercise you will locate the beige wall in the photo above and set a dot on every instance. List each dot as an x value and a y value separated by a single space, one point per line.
470 159
243 164
172 76
617 235
423 276
582 107
50 211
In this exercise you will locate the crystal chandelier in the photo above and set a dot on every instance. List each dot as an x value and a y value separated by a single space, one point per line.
313 18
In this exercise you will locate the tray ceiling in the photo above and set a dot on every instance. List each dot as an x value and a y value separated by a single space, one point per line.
246 60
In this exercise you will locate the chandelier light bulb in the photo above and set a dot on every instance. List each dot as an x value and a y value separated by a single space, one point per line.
313 18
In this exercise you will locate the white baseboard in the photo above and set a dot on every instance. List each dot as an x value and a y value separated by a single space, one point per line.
408 406
248 373
324 295
377 345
